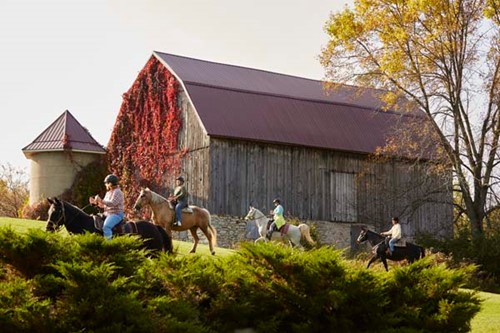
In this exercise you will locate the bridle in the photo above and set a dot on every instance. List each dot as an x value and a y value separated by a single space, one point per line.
57 224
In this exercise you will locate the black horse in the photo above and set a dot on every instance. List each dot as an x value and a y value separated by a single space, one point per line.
410 252
77 221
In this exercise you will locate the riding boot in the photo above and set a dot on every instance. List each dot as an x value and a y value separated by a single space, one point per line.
269 234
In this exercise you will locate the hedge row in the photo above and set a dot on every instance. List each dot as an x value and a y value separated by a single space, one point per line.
50 283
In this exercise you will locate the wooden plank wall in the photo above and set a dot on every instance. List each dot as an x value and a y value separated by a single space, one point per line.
242 173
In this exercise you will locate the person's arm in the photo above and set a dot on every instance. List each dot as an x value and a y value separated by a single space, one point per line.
115 200
181 194
386 233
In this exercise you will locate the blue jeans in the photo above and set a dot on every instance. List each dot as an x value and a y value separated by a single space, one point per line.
110 222
391 244
178 210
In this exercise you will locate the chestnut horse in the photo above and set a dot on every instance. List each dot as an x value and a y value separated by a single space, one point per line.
164 215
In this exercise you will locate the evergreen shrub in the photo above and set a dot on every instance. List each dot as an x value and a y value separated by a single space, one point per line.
84 283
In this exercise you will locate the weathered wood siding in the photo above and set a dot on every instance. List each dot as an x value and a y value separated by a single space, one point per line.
195 143
242 173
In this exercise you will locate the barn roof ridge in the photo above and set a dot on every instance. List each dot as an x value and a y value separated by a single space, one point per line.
238 66
313 100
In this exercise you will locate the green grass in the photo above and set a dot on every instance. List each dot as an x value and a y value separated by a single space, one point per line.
22 225
487 320
179 246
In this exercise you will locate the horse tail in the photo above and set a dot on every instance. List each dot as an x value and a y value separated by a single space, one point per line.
212 229
305 231
167 240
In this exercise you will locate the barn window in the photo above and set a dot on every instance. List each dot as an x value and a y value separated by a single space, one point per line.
344 206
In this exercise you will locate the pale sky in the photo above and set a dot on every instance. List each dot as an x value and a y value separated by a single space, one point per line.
82 55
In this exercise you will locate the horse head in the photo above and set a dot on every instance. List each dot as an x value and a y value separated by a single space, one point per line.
143 199
251 213
363 235
56 215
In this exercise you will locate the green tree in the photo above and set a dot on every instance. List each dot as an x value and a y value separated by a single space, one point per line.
14 192
442 55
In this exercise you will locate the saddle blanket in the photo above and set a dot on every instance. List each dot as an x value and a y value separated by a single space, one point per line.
284 229
99 223
401 243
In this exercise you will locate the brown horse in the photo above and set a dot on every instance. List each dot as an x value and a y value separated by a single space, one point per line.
164 215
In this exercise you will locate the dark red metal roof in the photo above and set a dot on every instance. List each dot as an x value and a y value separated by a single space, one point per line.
250 104
65 133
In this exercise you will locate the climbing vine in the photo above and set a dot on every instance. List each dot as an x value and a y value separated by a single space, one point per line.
143 148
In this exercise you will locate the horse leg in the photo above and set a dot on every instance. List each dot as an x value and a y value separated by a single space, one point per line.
372 259
295 239
208 234
195 239
261 239
384 260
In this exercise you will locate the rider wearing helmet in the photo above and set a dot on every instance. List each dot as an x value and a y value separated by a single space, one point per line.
113 205
180 199
278 218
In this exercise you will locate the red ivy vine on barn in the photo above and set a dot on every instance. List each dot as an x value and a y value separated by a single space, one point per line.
143 148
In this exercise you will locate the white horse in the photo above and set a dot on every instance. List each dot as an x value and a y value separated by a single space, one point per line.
293 235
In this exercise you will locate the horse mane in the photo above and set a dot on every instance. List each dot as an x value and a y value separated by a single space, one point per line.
155 197
67 205
376 233
258 211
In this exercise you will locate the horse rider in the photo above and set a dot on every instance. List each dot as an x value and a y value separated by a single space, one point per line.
395 233
278 220
179 199
113 205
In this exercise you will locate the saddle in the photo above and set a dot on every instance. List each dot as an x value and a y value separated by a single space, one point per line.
284 229
118 229
188 209
400 243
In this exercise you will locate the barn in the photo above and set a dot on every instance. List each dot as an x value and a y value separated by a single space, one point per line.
246 136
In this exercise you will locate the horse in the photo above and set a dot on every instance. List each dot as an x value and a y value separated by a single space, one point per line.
164 215
410 252
293 234
77 221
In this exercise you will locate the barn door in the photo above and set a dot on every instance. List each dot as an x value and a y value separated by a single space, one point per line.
344 206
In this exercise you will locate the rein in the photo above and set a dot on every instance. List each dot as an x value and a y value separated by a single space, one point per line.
63 217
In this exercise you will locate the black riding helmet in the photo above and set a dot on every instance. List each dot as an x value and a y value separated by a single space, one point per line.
111 179
180 178
277 201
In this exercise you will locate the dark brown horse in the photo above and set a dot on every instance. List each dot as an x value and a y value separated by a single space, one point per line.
77 221
164 214
410 252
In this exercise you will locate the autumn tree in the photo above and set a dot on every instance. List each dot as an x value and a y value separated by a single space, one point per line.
442 55
14 192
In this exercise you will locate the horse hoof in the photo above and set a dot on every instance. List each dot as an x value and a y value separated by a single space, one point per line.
213 253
